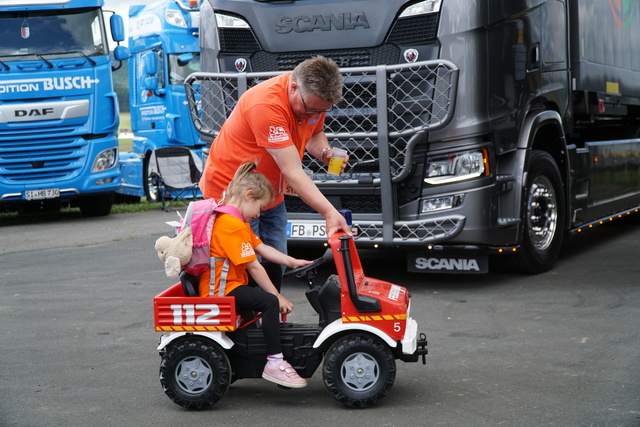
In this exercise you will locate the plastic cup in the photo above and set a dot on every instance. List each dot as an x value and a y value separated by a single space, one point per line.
338 157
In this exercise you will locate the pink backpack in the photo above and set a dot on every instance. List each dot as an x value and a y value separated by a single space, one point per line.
200 217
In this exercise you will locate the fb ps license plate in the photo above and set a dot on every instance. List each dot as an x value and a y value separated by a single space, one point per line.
42 194
306 230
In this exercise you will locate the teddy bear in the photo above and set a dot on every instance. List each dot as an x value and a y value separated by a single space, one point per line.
175 252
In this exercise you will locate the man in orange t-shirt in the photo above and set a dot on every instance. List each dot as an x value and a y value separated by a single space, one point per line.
275 122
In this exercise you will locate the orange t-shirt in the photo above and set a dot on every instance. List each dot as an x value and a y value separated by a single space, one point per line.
262 119
232 243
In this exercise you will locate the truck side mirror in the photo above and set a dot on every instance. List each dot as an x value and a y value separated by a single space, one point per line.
185 58
117 28
150 62
121 53
150 83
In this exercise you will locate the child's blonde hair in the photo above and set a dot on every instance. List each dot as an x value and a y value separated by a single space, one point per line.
247 178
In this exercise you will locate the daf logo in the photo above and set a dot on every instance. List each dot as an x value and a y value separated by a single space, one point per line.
410 55
33 112
241 64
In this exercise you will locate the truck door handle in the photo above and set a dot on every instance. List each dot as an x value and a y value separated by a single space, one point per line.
534 57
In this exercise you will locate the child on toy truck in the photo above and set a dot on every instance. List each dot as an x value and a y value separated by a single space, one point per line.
234 247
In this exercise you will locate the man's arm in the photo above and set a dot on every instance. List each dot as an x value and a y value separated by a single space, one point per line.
288 161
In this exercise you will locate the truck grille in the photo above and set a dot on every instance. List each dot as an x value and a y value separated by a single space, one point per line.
418 29
24 161
385 54
358 204
238 40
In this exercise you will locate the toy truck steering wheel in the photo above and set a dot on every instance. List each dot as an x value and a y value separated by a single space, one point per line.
300 271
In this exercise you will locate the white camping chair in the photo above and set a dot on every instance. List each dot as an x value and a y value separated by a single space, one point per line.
176 171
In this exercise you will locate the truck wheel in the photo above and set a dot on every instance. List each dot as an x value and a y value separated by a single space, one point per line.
358 370
96 205
544 215
150 184
195 373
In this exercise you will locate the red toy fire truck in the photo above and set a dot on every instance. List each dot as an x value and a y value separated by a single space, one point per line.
363 327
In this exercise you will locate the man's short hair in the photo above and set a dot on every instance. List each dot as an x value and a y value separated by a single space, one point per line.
320 76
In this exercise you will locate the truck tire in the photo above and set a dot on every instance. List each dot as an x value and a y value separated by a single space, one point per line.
359 370
150 183
543 215
96 205
195 373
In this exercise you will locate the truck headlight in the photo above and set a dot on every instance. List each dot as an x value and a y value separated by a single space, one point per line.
441 203
424 7
455 167
105 160
174 17
228 21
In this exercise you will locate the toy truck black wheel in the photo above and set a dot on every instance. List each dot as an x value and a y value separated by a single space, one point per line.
195 373
544 215
359 370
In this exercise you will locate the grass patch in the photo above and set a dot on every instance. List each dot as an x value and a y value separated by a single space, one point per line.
125 144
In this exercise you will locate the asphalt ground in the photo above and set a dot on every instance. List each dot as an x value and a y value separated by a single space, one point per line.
558 349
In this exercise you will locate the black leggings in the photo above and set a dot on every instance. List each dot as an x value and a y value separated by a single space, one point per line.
256 299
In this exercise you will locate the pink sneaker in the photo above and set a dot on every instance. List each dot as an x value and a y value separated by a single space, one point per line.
283 374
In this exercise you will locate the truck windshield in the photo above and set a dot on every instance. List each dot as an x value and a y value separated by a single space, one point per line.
52 32
181 65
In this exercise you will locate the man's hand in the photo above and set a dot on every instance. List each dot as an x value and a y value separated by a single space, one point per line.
336 222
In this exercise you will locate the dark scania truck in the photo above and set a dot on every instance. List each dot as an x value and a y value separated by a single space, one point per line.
473 127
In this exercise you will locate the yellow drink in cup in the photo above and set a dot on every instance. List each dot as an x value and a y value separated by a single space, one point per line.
338 156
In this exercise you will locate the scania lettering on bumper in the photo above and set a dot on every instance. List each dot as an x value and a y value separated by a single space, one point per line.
428 262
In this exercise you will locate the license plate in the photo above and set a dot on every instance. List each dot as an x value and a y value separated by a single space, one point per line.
310 230
306 230
45 193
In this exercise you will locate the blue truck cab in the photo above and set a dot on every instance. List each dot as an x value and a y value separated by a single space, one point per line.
163 43
58 109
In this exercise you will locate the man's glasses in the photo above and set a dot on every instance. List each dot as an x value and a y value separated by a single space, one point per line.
313 111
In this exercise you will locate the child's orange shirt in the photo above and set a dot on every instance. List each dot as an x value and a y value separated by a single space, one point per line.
232 246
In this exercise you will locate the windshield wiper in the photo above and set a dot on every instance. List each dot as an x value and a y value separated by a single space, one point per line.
49 64
91 61
6 67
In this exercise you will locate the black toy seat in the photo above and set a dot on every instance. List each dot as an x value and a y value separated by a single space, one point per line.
325 300
189 284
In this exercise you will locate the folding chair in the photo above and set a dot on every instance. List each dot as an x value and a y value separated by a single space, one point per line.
176 171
